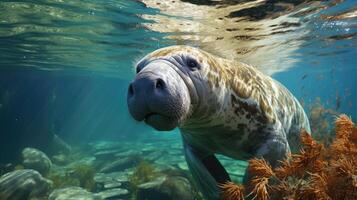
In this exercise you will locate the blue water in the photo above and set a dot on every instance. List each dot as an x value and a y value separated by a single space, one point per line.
65 66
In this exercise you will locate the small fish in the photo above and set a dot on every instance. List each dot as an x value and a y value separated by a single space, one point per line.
304 76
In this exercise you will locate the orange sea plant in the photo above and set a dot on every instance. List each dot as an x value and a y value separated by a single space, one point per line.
315 172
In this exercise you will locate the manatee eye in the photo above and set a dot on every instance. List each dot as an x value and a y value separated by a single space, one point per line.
140 66
192 63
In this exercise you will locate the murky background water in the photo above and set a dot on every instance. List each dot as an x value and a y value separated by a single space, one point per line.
65 66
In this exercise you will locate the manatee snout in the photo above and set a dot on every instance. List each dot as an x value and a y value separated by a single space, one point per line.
158 96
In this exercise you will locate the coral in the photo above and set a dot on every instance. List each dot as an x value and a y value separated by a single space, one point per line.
315 173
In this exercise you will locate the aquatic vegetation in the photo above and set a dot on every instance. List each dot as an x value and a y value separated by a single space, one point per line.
17 167
62 181
144 172
85 175
232 191
320 119
79 175
317 172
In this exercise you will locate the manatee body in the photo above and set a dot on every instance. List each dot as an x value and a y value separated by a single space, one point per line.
220 106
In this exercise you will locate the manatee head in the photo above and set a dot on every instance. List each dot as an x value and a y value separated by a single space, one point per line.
170 87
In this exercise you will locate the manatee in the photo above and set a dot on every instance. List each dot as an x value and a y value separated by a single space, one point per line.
220 106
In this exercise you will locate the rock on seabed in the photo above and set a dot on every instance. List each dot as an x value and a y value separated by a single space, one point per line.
73 193
23 184
169 188
114 193
37 160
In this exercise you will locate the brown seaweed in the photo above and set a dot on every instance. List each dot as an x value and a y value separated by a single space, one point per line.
315 172
232 191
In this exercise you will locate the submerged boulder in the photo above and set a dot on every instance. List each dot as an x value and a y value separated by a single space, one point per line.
111 180
37 160
106 154
60 159
169 188
114 193
23 184
121 164
73 193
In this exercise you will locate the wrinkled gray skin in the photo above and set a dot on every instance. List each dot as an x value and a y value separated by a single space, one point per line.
159 96
169 92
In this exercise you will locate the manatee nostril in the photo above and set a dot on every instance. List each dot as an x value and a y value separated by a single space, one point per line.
131 90
160 84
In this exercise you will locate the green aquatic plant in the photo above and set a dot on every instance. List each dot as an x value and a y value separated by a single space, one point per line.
61 181
79 175
144 172
85 175
19 166
320 119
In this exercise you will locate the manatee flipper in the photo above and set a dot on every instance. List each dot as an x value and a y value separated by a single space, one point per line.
273 151
207 172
